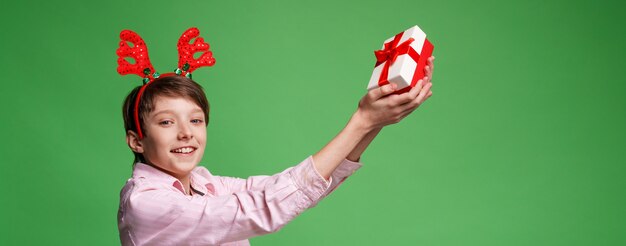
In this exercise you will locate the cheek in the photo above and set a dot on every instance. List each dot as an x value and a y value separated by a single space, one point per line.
202 140
156 145
201 134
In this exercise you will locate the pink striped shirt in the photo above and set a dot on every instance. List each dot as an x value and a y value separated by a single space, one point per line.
154 209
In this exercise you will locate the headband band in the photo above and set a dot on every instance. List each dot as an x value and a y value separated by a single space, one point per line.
143 67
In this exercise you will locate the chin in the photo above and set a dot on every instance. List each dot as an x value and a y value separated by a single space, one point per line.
185 167
178 164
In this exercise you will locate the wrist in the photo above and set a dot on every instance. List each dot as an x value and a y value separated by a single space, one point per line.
359 123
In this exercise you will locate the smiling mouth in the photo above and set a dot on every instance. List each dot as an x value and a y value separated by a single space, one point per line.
183 150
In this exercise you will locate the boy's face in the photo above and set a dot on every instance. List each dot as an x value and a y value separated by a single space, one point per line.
176 135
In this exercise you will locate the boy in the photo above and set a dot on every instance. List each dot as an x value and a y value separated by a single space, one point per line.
171 201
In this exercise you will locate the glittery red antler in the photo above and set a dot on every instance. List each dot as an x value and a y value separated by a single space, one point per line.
139 52
186 62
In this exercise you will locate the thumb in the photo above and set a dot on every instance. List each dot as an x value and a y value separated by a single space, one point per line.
383 91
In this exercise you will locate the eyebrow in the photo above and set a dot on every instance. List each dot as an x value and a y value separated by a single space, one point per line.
169 111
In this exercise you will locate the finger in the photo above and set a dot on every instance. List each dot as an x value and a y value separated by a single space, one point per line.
406 112
413 104
431 66
423 93
409 107
416 90
425 80
410 96
382 91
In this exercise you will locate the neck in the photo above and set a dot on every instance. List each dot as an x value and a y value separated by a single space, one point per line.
186 183
184 179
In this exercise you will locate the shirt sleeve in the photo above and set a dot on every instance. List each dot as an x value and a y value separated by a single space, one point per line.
345 169
341 173
155 215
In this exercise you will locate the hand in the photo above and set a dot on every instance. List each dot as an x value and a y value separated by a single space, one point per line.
379 108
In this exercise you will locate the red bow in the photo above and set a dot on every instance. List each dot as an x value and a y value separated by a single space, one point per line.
390 52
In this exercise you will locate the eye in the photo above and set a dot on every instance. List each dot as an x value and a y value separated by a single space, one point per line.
166 122
197 121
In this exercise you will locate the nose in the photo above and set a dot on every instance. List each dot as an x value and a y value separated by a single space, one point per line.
184 131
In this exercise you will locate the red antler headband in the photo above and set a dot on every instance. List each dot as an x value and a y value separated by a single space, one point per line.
143 67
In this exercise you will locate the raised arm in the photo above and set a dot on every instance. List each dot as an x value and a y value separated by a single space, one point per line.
356 153
378 108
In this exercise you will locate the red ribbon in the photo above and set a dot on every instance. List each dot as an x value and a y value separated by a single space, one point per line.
390 53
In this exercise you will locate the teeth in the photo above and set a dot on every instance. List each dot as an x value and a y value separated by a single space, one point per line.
183 150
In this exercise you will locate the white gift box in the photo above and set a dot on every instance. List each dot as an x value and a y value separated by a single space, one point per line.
404 65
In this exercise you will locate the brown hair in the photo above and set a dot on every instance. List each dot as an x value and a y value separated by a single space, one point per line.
168 86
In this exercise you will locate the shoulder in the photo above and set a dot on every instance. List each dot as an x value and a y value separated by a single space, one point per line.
138 186
202 171
145 200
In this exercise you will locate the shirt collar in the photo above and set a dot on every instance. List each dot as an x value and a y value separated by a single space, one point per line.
199 184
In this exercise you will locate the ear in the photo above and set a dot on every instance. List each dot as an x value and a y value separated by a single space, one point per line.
132 139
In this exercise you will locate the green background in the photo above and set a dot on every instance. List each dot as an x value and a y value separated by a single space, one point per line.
522 142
